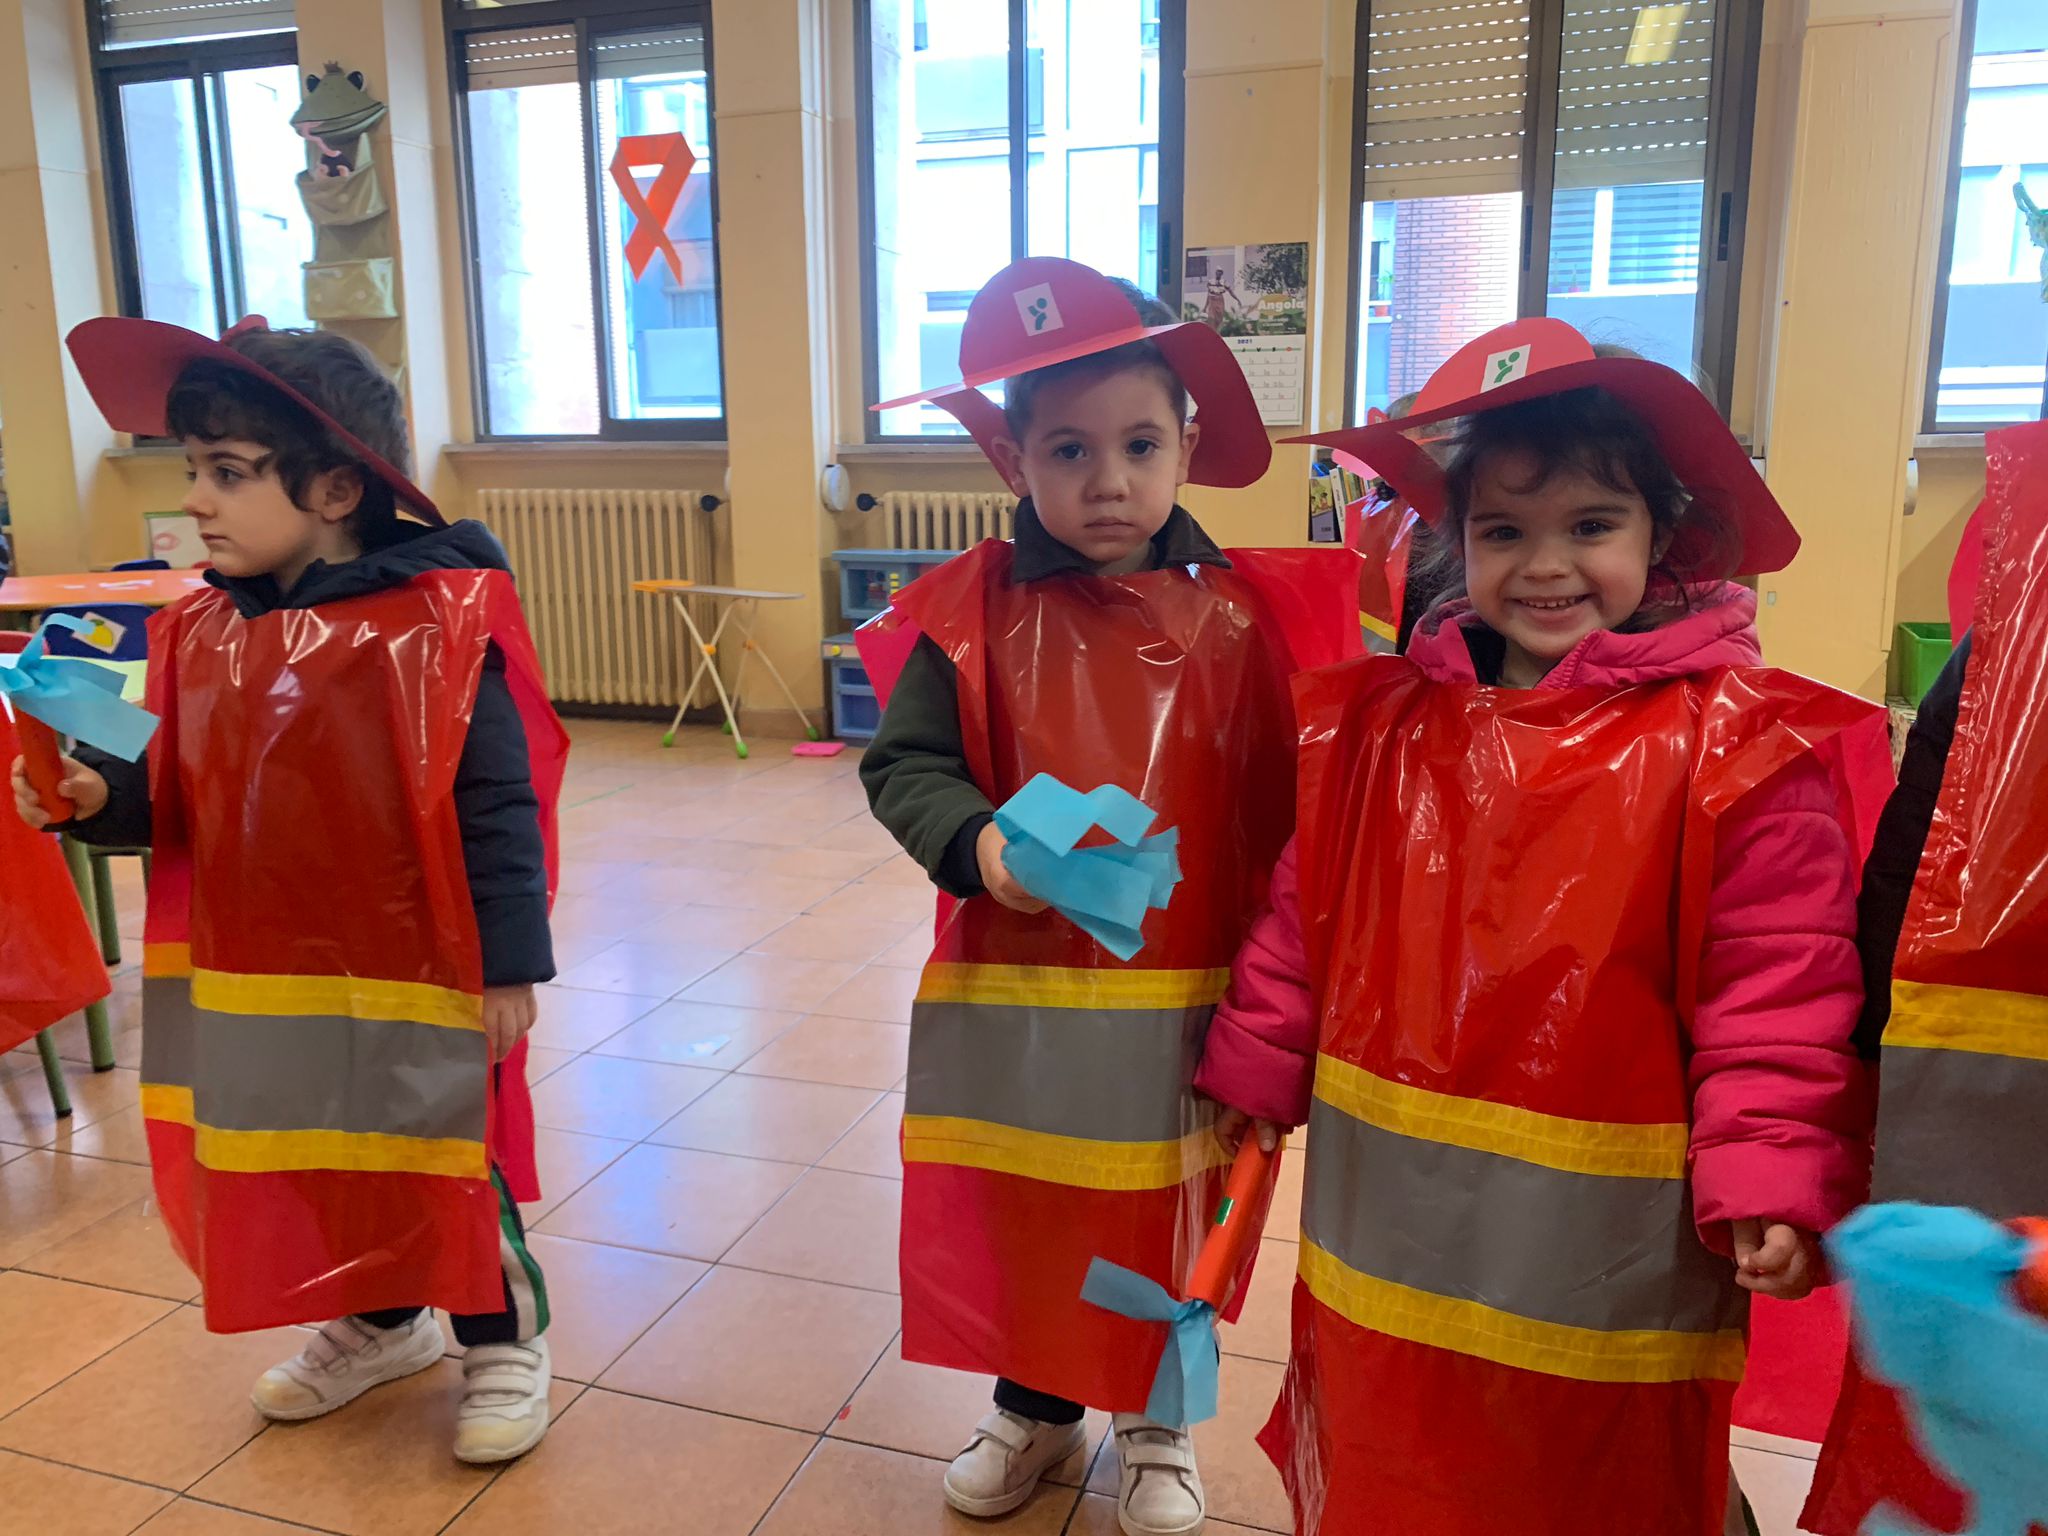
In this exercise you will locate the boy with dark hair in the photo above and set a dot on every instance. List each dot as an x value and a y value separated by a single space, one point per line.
351 805
1049 1111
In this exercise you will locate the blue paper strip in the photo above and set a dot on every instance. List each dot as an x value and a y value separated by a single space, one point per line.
76 698
1105 891
1184 1389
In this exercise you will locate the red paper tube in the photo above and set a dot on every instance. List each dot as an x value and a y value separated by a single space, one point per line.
44 761
1224 1248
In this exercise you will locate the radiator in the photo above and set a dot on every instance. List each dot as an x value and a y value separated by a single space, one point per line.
946 519
576 555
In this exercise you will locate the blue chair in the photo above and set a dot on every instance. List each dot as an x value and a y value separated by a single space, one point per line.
129 623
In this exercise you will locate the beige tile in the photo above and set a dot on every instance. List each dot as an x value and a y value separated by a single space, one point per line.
50 1328
1240 1482
121 1138
858 1490
729 928
667 1200
875 1146
902 870
1096 1516
645 969
764 1347
927 1411
610 1096
382 1467
837 1227
567 1162
1776 1487
769 893
1283 1218
858 835
1264 1328
127 1251
912 952
883 993
42 1499
27 1120
873 901
711 853
47 1196
699 1034
850 1052
543 1061
166 1407
188 1517
623 1466
574 1020
773 1117
769 981
814 863
600 1299
830 938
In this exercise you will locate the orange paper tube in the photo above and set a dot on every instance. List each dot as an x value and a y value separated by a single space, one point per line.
1224 1248
2033 1280
44 762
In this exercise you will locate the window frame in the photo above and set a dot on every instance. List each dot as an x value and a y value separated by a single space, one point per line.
459 23
1724 198
1172 153
1937 335
193 63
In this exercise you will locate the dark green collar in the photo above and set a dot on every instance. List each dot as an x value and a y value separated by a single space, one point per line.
1039 555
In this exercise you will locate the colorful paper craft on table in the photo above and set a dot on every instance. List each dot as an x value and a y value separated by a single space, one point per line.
1105 891
57 695
672 158
1939 1311
1184 1391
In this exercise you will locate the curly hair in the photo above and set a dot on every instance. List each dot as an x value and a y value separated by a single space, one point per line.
214 402
1020 394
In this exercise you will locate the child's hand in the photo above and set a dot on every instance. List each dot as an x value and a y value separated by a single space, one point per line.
509 1013
995 874
1230 1129
85 789
1778 1260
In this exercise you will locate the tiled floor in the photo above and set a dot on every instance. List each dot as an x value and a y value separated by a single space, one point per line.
718 1082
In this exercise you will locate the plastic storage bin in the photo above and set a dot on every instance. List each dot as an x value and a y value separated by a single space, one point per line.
1923 651
869 578
856 711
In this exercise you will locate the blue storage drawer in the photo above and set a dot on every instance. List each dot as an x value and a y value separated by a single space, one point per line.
856 711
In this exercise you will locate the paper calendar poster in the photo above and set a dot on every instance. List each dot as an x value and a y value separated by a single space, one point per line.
1256 298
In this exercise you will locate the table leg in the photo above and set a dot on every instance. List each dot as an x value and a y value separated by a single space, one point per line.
703 658
53 1074
97 1032
747 633
709 664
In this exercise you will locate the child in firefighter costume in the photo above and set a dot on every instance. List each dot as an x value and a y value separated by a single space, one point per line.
1955 938
1560 971
351 806
1048 1117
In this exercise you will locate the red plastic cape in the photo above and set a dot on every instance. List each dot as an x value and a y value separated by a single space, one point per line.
1504 898
309 881
50 964
1084 1138
1382 530
1978 920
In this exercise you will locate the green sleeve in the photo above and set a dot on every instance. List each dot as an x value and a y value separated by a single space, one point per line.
916 775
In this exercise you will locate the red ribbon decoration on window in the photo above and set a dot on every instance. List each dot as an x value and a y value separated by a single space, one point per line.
652 209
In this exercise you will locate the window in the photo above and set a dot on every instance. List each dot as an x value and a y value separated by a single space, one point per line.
1990 348
994 129
202 162
592 313
1585 159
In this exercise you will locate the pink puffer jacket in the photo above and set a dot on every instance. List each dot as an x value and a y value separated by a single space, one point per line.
1781 1103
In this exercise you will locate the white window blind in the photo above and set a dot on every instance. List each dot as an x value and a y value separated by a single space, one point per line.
1446 84
643 55
499 61
139 23
1633 92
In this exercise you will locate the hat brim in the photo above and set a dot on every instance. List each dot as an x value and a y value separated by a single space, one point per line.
1704 455
129 367
1234 449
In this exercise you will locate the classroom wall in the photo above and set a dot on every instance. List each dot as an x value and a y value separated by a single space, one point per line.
1852 123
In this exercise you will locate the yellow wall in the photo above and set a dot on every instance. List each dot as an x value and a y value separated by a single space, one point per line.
1852 121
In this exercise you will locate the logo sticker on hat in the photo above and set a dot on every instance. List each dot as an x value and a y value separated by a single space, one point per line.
1505 368
1038 310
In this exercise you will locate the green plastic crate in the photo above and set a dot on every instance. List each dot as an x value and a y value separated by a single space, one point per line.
1923 651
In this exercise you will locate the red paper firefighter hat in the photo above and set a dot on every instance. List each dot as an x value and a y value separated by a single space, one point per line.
130 365
1045 310
1530 358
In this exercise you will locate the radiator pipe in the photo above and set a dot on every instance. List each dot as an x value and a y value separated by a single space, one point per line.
866 502
709 503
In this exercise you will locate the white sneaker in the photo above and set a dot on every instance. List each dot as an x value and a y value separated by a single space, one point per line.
341 1362
1161 1493
1002 1464
504 1408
